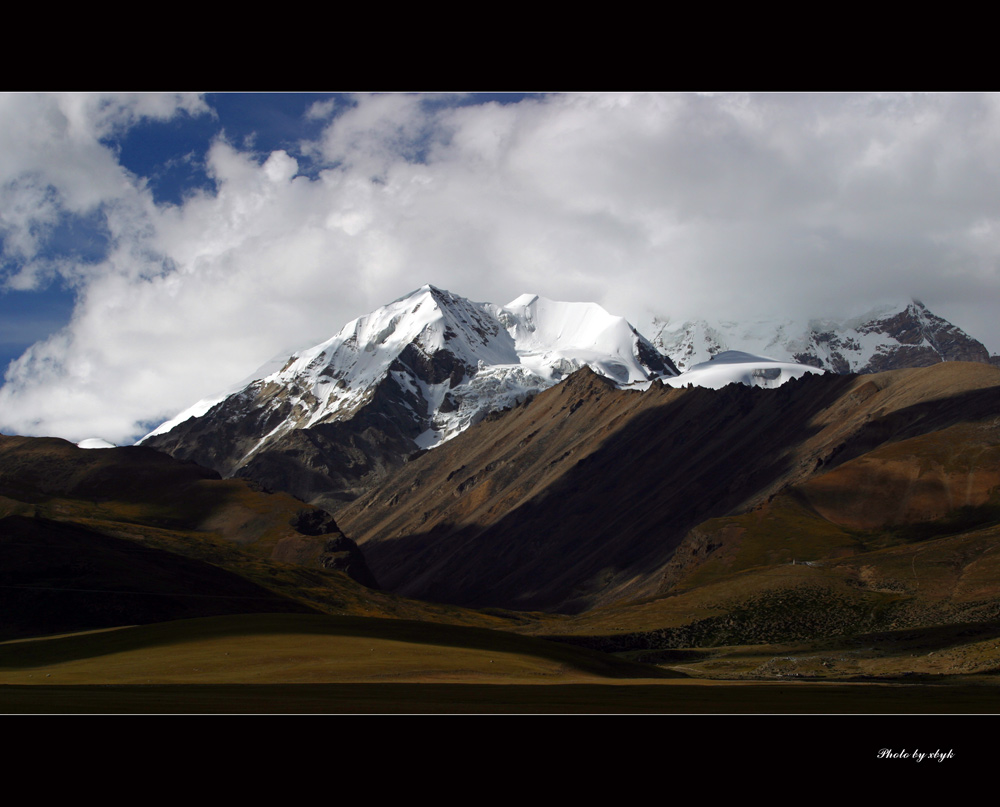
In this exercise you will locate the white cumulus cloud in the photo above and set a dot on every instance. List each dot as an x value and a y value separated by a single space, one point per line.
679 205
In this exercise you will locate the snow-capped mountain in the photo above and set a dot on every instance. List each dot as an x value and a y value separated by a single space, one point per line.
407 376
738 367
885 338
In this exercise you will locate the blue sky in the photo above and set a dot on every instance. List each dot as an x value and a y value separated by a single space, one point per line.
171 154
156 248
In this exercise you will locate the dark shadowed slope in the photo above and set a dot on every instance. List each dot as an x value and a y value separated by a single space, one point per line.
51 478
57 577
583 496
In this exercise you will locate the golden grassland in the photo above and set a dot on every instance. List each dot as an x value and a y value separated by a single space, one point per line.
303 648
292 663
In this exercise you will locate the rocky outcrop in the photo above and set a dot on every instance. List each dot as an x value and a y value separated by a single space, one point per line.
923 339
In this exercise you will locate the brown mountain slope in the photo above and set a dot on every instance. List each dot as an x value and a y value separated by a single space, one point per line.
909 528
783 591
103 538
583 496
52 478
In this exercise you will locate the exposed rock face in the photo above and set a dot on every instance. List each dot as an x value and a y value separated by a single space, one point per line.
326 464
923 339
339 552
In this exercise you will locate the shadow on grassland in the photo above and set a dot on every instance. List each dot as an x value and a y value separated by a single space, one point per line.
44 652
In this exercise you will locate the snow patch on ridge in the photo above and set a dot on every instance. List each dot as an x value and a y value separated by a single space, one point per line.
738 367
95 442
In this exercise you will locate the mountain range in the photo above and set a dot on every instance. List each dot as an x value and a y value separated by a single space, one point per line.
544 468
331 422
888 337
545 455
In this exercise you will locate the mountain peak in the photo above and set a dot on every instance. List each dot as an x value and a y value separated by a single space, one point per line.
425 290
522 301
411 375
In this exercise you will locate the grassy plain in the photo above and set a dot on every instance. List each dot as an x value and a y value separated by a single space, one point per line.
291 663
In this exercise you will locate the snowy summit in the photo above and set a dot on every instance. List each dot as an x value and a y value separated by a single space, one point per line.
449 362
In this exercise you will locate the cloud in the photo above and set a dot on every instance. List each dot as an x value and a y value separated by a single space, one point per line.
680 205
53 166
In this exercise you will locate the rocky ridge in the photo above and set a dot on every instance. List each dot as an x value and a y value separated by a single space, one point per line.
885 338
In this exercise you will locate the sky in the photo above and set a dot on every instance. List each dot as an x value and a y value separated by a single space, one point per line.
157 248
